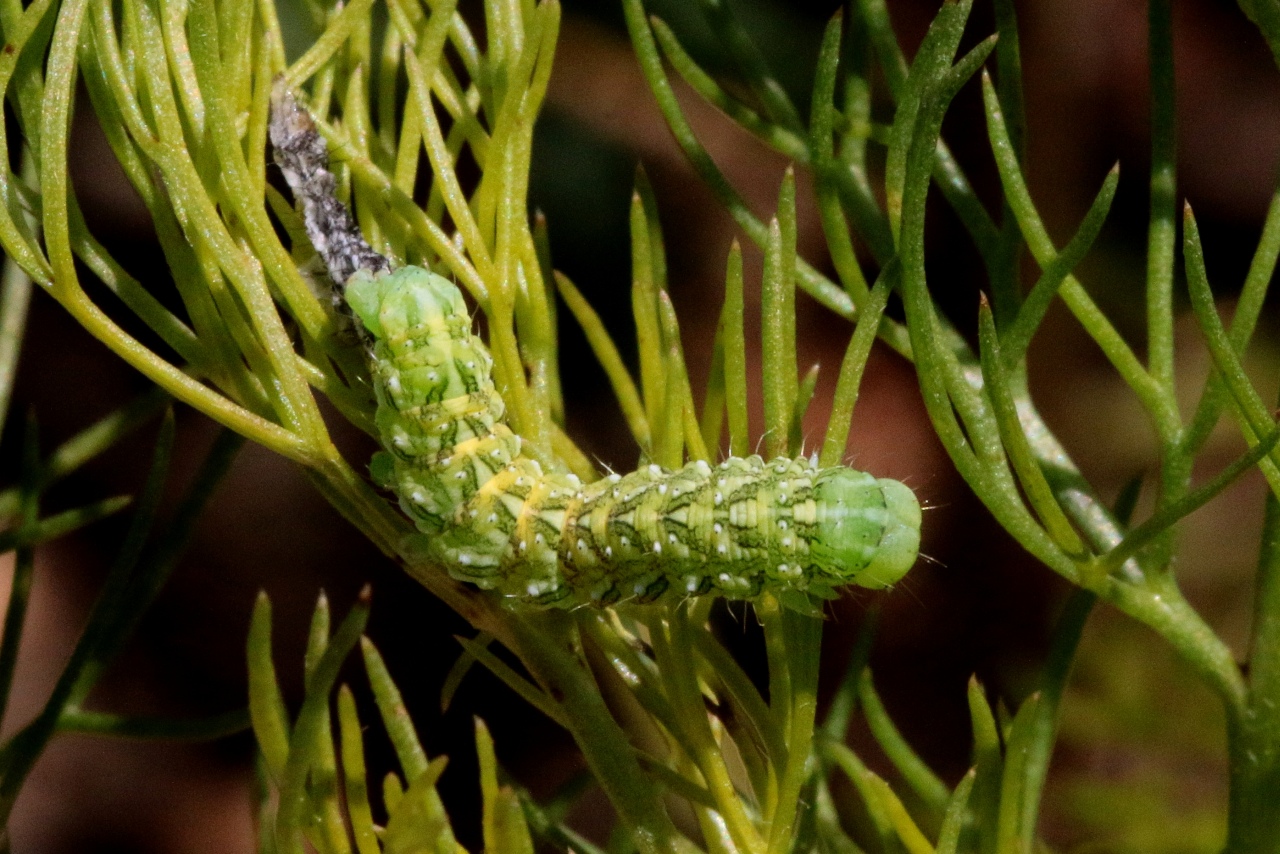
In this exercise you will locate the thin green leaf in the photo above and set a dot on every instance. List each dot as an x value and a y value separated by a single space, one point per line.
209 728
711 424
61 524
751 65
680 392
317 637
903 825
778 319
1015 340
395 717
418 822
15 296
266 702
354 775
1160 406
814 283
298 807
1023 733
954 819
804 396
988 765
735 354
861 778
644 308
851 369
1169 515
1034 483
1163 213
914 771
932 59
513 680
780 139
459 671
1256 416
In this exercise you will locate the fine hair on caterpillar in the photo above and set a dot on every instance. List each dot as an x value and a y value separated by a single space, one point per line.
492 516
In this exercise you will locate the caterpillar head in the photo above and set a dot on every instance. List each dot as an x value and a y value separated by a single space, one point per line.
424 351
869 529
410 299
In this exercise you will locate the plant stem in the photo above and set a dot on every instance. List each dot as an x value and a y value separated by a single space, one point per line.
1253 823
545 646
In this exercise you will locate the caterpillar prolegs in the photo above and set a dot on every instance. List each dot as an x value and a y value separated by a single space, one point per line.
493 517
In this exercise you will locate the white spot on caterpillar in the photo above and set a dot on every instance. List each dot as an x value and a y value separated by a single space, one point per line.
574 480
717 527
786 542
724 578
626 541
582 545
537 538
655 469
702 468
614 478
446 461
671 538
657 547
524 545
662 489
393 383
691 583
493 517
418 496
783 569
782 524
465 559
608 551
719 499
722 549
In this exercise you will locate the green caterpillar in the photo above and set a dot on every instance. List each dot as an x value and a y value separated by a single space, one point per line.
496 519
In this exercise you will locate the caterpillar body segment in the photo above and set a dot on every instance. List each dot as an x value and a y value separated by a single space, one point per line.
496 519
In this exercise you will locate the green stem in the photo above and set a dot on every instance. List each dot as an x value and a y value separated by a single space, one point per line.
1253 822
800 637
545 644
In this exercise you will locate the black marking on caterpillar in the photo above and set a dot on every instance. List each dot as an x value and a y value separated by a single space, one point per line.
492 515
303 157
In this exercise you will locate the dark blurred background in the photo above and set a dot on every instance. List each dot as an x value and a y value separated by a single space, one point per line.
976 605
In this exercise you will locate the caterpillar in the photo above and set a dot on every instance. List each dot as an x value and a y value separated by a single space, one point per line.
492 515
